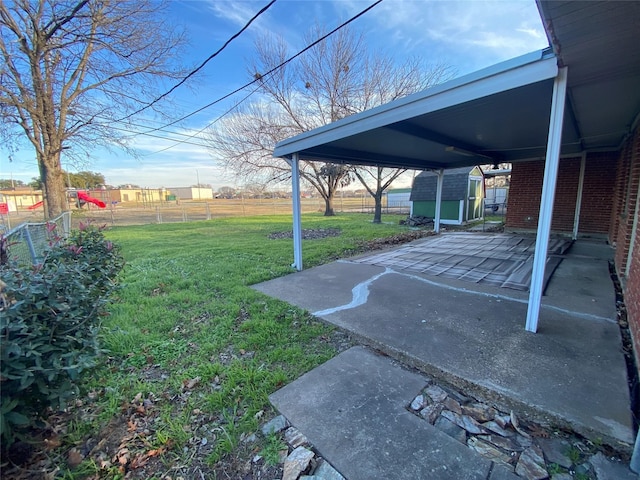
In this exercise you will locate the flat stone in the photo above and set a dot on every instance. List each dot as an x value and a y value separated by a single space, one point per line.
480 412
488 450
556 451
324 471
464 421
495 428
607 469
561 476
451 429
501 472
436 393
457 396
453 405
296 463
531 464
583 468
418 403
431 413
275 425
502 420
295 438
502 442
250 439
525 442
353 409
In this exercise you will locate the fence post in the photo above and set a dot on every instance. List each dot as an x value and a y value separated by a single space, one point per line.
184 214
158 215
206 204
32 251
66 223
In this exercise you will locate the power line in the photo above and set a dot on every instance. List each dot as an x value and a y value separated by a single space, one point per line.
260 78
178 142
197 69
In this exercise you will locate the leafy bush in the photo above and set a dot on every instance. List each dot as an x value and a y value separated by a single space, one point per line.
49 325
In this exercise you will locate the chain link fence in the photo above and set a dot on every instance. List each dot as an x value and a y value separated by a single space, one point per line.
27 243
190 211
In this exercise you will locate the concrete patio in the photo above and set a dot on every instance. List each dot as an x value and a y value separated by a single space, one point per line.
571 373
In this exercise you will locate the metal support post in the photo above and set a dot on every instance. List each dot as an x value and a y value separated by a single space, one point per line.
552 162
440 182
297 222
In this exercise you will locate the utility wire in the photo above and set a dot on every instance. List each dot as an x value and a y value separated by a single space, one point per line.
185 141
196 70
261 77
178 142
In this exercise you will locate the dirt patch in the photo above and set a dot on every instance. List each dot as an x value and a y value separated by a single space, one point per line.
308 234
397 239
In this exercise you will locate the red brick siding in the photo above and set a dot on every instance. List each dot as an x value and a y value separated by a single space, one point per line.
595 213
630 173
564 205
632 297
525 189
618 194
597 193
623 215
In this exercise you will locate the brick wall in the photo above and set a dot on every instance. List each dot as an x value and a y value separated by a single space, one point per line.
597 193
623 215
595 214
632 297
525 189
564 205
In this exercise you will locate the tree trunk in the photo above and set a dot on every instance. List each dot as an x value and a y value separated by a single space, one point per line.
377 212
328 206
55 195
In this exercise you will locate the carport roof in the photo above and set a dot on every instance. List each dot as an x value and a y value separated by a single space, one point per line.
501 113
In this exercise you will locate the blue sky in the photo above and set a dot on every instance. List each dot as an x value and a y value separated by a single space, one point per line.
468 35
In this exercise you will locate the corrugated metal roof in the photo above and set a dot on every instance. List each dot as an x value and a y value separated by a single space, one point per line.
501 114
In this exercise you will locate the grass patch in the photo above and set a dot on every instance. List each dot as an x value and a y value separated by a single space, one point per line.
194 352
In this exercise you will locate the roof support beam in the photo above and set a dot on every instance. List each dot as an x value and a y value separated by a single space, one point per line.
297 222
546 202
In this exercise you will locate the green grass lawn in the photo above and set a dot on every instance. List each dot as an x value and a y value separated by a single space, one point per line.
194 352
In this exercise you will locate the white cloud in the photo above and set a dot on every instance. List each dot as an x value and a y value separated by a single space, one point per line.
466 34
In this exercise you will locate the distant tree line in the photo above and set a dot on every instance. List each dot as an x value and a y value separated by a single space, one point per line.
80 180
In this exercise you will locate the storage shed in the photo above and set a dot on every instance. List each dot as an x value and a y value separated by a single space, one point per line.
462 195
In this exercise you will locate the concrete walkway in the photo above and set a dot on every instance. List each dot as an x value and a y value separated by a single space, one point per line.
571 373
353 410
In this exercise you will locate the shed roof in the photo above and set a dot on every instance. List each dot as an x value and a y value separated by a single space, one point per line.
454 186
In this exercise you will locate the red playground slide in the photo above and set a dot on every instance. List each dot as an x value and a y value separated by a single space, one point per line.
87 198
36 205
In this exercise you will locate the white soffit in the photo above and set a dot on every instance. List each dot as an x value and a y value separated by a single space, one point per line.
526 70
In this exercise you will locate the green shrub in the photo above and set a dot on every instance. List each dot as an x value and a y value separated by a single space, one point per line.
49 325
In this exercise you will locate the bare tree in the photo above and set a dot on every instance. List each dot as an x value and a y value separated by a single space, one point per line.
71 68
335 79
381 178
